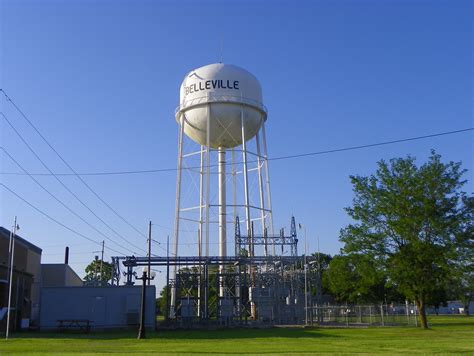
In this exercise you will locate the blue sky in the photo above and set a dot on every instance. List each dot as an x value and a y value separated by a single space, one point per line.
101 81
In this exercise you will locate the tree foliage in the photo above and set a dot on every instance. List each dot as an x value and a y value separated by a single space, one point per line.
320 267
414 221
93 274
161 303
353 279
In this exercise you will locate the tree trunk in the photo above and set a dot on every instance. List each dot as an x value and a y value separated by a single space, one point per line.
420 304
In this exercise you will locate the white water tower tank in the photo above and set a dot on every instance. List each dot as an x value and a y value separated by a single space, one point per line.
226 94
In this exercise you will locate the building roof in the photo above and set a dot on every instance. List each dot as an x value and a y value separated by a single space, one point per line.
5 233
59 275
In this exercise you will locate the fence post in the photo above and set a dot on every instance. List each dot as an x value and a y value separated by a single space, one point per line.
414 311
407 311
347 316
381 313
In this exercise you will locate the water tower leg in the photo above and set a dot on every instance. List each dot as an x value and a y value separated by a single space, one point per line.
247 209
260 188
222 216
177 214
201 202
208 174
267 183
205 285
246 179
234 185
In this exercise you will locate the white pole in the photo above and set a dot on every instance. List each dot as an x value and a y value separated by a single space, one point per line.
201 202
12 259
260 188
208 171
177 211
246 179
267 183
234 185
253 311
222 216
10 255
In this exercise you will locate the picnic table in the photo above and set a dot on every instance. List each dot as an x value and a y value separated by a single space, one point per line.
80 324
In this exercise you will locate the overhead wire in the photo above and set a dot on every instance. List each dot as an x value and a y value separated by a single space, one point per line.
69 166
278 158
55 220
62 203
62 183
307 154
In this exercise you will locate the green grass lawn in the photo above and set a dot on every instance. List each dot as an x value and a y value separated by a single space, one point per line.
448 335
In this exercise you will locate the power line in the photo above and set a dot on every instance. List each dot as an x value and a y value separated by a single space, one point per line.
352 148
278 158
61 202
69 166
64 185
56 221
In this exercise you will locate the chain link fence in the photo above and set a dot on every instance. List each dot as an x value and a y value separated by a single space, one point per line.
364 315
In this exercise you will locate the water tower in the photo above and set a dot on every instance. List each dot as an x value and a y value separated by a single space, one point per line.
222 112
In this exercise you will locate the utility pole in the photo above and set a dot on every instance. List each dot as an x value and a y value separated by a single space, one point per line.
144 278
167 277
10 281
96 260
149 251
101 263
320 286
305 275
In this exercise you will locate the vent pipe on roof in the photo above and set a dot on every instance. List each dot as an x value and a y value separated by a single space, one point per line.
66 256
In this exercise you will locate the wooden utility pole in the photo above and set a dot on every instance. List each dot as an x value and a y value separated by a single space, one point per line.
102 262
149 251
141 330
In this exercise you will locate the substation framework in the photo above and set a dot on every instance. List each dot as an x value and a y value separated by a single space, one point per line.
257 289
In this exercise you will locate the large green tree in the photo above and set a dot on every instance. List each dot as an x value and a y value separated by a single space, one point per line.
94 275
461 286
355 279
414 221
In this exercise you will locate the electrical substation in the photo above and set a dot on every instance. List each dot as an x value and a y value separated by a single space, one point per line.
223 197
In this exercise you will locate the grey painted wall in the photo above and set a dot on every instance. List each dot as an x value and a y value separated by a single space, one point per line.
106 307
59 275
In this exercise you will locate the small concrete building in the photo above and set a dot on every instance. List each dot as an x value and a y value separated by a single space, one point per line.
105 307
59 275
25 302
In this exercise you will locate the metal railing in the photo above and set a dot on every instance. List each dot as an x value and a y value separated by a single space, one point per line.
221 99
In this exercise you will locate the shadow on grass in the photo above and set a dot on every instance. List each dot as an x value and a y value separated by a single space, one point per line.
242 334
212 334
444 321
